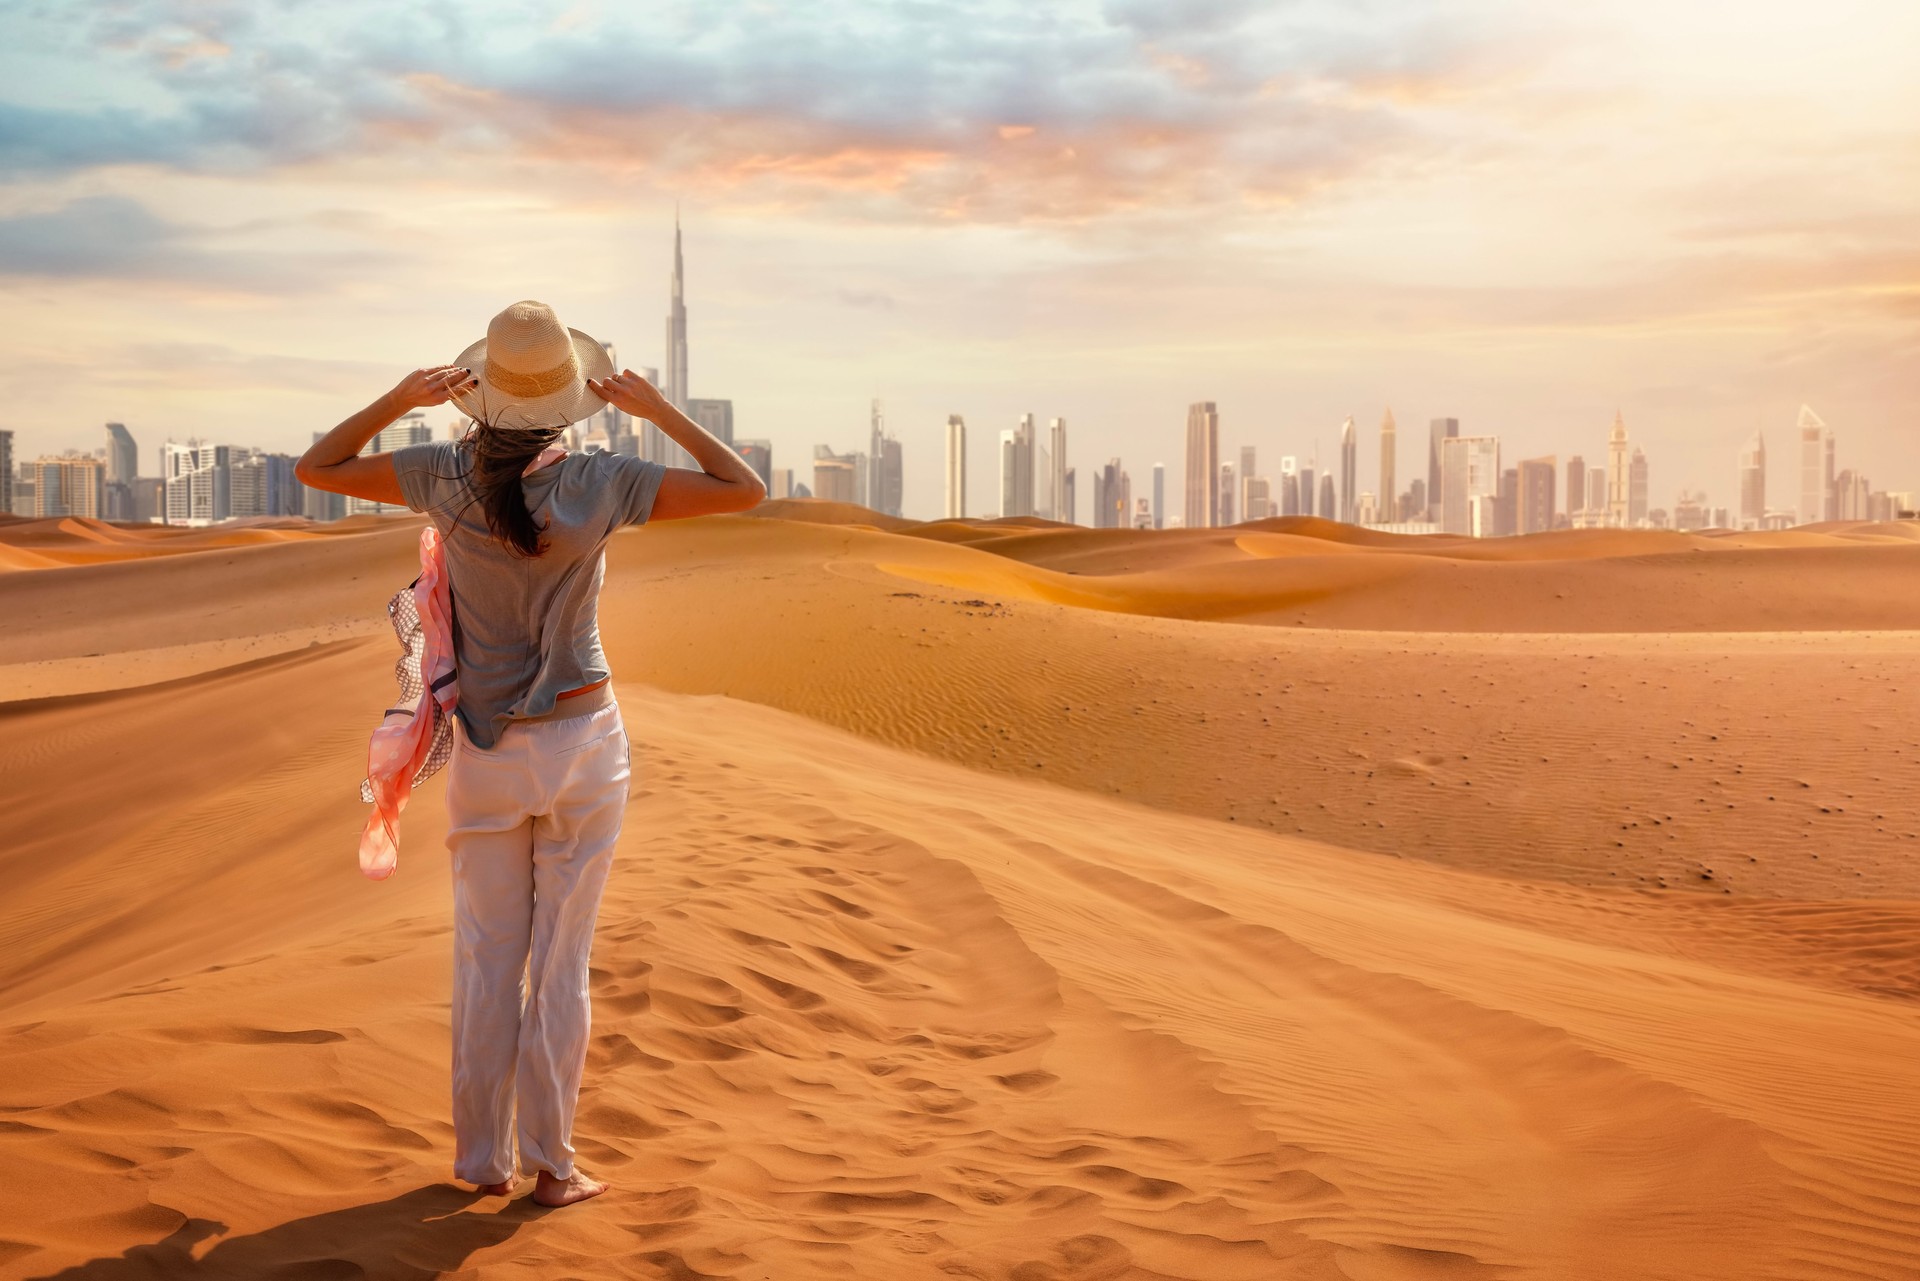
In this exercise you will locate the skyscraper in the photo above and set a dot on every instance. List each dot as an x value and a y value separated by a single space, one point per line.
1309 492
956 504
1753 482
1576 485
1536 495
1389 449
1016 469
1469 471
1617 477
1596 495
6 472
123 456
1112 496
1224 501
68 486
1637 488
1203 466
1816 467
674 389
883 465
1071 510
1159 495
1833 493
198 480
1243 480
1289 486
1438 430
1349 469
1328 497
1057 506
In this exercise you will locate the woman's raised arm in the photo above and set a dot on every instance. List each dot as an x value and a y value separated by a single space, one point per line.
334 462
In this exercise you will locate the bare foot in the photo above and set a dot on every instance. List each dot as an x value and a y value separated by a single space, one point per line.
496 1189
557 1192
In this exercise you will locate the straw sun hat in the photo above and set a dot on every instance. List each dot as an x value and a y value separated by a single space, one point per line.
533 370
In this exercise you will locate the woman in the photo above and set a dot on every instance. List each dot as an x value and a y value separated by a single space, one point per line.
538 781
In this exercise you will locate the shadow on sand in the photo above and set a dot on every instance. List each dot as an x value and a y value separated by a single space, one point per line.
412 1237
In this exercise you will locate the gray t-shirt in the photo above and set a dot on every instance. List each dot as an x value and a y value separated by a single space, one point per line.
526 630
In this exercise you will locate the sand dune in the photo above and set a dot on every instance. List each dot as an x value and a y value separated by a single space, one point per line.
995 931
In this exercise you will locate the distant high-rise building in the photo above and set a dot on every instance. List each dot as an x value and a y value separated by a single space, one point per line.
1690 511
1142 515
757 454
1309 488
263 484
1576 485
1506 504
1618 480
1637 488
883 475
1389 449
1159 495
1112 496
1072 512
1418 505
6 473
956 505
1469 471
68 486
674 389
1329 498
835 476
1753 482
1016 469
782 484
1056 474
1816 467
1223 502
1349 469
1537 512
1289 486
1440 429
1833 494
1242 478
1596 505
199 479
1853 497
1203 466
123 456
1259 502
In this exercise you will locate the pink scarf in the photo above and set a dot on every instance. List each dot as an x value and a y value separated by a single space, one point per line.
415 738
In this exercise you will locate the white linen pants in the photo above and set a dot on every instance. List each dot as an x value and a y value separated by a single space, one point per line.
531 825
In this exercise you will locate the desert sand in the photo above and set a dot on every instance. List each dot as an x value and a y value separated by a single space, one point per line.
1001 900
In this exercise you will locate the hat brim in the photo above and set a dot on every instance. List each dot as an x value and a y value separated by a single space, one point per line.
572 403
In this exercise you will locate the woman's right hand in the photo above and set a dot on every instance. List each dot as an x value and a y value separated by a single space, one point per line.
631 393
431 386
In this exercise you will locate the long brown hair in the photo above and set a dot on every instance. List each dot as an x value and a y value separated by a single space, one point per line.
500 453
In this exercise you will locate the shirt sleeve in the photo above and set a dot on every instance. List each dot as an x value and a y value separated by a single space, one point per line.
427 473
636 483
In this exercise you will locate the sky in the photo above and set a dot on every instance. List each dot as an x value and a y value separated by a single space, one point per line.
244 221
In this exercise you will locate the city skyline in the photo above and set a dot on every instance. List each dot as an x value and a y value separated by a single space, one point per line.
228 227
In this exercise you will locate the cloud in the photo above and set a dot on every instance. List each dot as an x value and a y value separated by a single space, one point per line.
967 109
112 237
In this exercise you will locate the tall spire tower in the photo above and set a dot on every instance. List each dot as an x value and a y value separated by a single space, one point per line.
674 383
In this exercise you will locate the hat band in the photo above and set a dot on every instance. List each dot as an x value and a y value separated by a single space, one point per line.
544 383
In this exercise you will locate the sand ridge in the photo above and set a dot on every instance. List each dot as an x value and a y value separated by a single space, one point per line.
963 930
